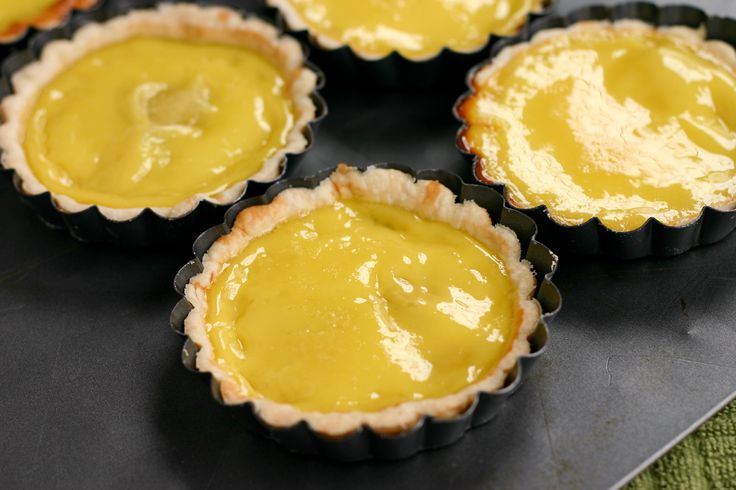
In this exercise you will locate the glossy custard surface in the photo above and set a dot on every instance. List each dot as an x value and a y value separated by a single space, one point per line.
361 306
13 11
151 122
414 28
620 123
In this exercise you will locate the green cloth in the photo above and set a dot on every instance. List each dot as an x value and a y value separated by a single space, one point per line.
705 460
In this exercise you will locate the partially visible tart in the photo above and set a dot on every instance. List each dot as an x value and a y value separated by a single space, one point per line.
623 122
416 29
158 109
16 16
370 299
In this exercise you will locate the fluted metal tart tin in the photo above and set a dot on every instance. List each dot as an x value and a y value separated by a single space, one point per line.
430 432
147 228
654 238
394 71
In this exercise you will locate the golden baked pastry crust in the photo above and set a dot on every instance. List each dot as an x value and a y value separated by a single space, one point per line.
430 200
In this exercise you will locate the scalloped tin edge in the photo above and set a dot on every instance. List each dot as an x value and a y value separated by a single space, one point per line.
430 432
147 228
395 71
654 238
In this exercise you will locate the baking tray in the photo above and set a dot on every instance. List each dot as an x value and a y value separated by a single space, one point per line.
94 395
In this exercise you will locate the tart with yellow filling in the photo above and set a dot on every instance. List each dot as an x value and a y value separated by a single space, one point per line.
158 109
416 29
620 122
16 16
372 299
412 44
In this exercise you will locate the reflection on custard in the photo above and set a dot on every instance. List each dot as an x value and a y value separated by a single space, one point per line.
624 123
414 28
14 11
361 306
151 122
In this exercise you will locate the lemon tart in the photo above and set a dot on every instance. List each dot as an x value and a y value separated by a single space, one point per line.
370 299
158 109
16 16
416 29
623 122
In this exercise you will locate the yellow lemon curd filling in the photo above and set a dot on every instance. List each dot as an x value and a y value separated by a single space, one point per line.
414 28
361 306
150 122
619 123
14 11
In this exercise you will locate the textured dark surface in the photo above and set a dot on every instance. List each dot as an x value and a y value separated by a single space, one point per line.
705 459
94 394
